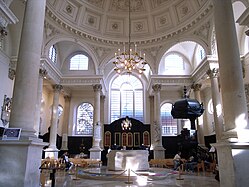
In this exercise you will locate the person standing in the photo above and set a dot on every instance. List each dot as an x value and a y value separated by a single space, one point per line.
177 160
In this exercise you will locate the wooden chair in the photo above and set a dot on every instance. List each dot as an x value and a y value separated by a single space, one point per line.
200 166
212 166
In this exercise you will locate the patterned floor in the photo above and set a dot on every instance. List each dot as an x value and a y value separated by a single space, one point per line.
155 177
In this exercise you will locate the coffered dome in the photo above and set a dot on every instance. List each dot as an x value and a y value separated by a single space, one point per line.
107 20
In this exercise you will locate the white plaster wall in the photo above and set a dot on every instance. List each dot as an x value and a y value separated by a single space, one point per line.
170 96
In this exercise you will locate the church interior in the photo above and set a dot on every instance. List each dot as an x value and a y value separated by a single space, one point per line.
118 84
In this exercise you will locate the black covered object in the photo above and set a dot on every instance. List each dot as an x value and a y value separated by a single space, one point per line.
187 109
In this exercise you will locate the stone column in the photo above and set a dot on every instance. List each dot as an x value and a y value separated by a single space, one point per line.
232 169
102 106
218 119
52 150
64 146
199 121
27 70
156 126
22 158
95 151
42 74
231 76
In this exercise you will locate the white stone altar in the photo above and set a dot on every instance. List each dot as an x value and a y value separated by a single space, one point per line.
136 160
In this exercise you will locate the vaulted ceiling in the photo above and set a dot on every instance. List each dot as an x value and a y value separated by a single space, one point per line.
151 20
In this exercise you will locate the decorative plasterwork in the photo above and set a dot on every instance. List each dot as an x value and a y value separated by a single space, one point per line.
109 36
139 26
52 72
183 80
204 30
91 20
97 3
184 10
67 81
163 21
101 52
6 15
115 25
50 30
158 3
84 81
70 10
123 5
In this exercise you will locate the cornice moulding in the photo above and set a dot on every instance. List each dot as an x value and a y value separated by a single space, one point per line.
6 15
96 39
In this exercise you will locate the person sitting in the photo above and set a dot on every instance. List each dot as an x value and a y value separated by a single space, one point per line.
177 160
65 158
109 149
191 164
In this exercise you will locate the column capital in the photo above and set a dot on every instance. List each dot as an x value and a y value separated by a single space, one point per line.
67 97
213 73
97 87
196 87
12 73
156 87
43 72
102 97
57 87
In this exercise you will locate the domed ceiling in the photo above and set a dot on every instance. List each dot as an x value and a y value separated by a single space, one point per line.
107 20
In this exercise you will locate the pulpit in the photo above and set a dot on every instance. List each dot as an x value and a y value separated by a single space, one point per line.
136 160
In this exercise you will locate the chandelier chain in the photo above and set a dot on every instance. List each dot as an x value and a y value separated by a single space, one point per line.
130 61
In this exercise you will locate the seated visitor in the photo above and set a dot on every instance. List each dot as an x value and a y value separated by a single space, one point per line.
191 164
142 147
177 160
65 158
109 149
208 160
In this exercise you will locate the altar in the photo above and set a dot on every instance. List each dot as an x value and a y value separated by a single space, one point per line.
136 160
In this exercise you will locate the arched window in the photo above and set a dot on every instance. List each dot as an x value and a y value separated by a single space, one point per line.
84 119
200 54
174 62
52 54
169 125
79 62
126 98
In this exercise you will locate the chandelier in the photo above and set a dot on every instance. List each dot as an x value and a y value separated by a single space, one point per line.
129 61
126 124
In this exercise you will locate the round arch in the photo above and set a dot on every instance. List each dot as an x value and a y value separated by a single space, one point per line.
63 38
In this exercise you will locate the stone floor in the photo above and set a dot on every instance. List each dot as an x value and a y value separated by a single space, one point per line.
100 177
